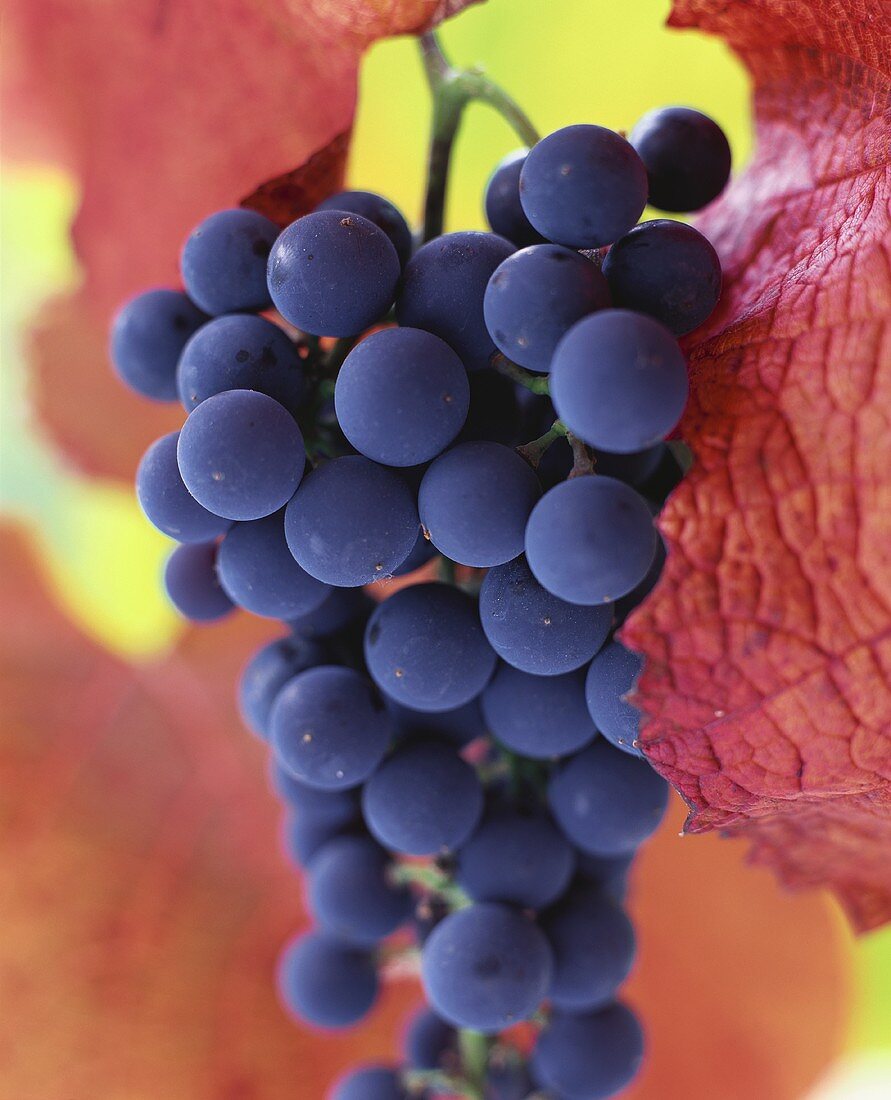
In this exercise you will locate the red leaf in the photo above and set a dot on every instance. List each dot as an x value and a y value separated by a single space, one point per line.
769 639
164 111
145 901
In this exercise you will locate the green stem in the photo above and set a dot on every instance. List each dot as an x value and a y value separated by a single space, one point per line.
487 91
446 570
474 1049
536 448
434 1081
537 383
431 879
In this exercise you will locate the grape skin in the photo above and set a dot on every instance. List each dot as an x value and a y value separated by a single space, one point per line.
589 1056
504 212
223 261
328 983
166 501
147 337
267 672
687 157
190 578
379 210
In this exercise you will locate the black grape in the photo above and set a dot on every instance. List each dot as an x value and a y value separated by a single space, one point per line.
508 1082
443 287
240 352
422 552
486 967
583 186
474 502
401 396
190 578
147 338
504 211
425 648
305 837
223 261
371 1083
667 270
340 608
609 873
339 809
590 1056
423 800
538 716
430 1042
349 892
515 857
259 573
376 209
534 630
612 675
333 273
606 801
634 468
624 606
241 454
267 672
594 948
326 982
538 294
687 157
167 502
590 540
619 380
461 725
352 522
328 728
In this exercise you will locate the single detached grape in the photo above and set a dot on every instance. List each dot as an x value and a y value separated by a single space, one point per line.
349 892
425 648
240 352
333 273
259 573
590 1056
474 503
443 287
190 577
266 674
241 454
423 800
590 540
223 262
667 270
371 1083
401 396
538 716
613 675
167 502
328 728
605 801
147 338
534 630
687 157
486 967
504 212
619 380
376 209
429 1042
326 982
535 296
352 522
583 186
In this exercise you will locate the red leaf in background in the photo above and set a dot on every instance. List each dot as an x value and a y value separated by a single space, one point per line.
145 901
769 638
164 111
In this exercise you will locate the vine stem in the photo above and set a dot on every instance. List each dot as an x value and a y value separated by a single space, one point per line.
537 383
583 461
534 451
431 879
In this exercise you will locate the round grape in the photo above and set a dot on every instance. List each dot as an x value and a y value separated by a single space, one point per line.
619 380
538 716
538 294
376 209
429 1043
223 262
240 352
667 270
241 454
534 630
267 672
401 396
305 837
422 552
486 967
328 728
508 1082
504 212
371 1083
605 801
687 157
609 873
341 608
423 800
352 522
333 273
338 809
425 648
474 503
326 982
460 726
590 540
591 1056
583 186
190 578
612 675
147 338
443 287
167 502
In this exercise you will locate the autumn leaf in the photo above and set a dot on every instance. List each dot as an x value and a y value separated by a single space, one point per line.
768 641
146 901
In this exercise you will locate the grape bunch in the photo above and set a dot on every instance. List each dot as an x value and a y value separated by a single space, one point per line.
457 759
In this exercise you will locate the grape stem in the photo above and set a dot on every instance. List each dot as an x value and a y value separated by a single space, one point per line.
431 879
435 1081
537 383
534 451
583 462
474 1049
452 89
